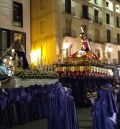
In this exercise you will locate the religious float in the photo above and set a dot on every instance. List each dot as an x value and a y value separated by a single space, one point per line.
15 70
84 73
83 62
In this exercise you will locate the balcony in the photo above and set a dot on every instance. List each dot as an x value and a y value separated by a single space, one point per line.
114 41
94 19
94 40
69 32
98 20
86 17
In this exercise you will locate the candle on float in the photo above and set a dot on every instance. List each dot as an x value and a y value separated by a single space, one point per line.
13 50
41 55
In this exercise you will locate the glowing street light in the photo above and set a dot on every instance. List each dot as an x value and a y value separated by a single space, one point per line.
66 45
109 49
65 48
13 50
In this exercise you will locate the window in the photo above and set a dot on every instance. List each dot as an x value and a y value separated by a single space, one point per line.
117 8
108 36
107 4
97 34
96 1
7 37
107 18
85 12
118 38
68 6
4 40
96 15
17 14
117 21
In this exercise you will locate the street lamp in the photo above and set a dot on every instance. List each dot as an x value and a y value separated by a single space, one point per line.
65 48
66 45
109 49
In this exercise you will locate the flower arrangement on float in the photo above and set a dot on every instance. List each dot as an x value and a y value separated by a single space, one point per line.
35 73
82 66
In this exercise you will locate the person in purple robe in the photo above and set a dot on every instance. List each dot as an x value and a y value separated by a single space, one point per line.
104 108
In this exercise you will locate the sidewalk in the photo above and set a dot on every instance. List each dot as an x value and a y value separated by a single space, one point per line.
84 118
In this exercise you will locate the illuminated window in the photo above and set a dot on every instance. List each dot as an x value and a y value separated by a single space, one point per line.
17 14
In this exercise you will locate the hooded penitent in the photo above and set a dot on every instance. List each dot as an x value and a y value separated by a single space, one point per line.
104 109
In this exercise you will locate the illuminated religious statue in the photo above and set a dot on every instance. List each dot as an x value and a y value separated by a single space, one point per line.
85 42
15 53
20 51
86 46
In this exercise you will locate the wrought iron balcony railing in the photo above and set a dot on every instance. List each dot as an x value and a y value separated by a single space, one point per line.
97 20
86 17
69 32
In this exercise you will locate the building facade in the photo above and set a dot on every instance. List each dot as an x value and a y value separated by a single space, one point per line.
43 26
14 22
56 25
